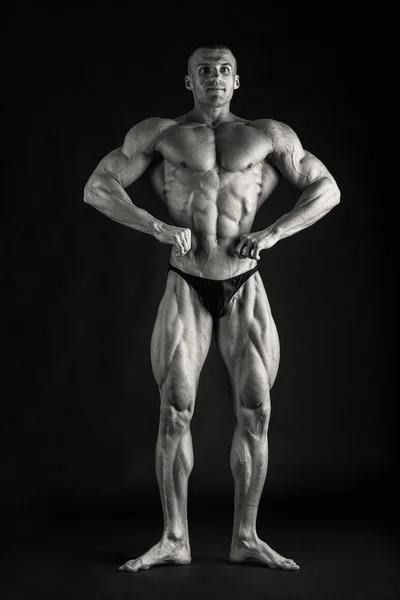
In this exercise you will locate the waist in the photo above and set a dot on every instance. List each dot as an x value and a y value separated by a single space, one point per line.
214 280
215 264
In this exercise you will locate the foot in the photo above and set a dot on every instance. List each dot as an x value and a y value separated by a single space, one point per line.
165 552
256 550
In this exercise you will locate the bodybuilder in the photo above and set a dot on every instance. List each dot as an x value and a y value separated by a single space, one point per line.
213 170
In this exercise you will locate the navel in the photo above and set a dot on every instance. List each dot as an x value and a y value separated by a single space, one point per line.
183 165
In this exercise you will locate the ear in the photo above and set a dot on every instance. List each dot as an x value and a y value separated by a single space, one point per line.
188 82
237 82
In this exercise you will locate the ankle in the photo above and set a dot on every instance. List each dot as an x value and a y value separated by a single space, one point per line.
176 537
243 537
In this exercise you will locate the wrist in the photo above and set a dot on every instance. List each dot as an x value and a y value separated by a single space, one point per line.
157 227
271 236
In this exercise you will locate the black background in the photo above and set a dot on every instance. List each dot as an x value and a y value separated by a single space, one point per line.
80 406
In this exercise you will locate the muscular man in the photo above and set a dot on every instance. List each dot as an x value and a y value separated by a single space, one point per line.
213 170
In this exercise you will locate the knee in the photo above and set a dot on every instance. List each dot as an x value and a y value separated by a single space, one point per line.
177 405
254 393
174 422
254 413
178 394
254 422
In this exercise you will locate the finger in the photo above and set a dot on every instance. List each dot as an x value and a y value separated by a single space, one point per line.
186 240
241 247
184 250
178 252
245 252
254 250
179 246
242 242
189 238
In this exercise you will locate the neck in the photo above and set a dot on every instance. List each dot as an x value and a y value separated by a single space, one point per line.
211 115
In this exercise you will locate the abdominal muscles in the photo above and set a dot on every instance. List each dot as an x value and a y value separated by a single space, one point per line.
218 207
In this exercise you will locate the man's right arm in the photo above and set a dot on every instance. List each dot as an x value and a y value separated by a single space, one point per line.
105 189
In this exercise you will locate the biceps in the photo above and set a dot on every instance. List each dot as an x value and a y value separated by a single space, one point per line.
302 168
124 169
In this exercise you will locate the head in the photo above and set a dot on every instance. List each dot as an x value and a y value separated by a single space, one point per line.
212 74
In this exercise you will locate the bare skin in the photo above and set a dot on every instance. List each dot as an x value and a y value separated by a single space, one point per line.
213 170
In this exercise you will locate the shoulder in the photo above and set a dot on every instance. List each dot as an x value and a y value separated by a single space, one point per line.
152 125
146 133
277 132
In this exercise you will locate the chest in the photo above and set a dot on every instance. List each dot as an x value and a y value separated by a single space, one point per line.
232 146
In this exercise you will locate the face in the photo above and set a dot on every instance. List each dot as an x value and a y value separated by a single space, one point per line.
212 76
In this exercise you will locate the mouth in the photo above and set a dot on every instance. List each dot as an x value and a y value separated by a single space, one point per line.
215 89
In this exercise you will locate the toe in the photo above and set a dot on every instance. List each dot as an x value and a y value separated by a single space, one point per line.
129 567
290 564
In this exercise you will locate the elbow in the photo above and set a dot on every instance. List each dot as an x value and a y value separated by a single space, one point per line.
86 194
89 193
335 195
332 192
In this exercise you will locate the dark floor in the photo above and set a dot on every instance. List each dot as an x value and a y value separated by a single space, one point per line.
350 557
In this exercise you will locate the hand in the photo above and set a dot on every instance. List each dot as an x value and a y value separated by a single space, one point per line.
251 244
180 237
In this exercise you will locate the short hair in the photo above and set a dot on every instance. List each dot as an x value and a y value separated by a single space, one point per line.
212 46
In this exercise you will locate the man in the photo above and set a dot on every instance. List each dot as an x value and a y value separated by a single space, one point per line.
213 170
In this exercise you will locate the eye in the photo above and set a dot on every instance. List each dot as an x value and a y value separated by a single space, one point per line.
225 69
203 70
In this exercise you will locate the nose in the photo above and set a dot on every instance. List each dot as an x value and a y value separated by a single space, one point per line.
214 74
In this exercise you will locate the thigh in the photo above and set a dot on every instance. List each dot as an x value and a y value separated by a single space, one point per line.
181 336
248 340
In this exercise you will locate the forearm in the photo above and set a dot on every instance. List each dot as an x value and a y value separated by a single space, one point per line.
108 196
314 203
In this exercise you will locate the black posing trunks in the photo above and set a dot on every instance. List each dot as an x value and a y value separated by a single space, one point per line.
215 294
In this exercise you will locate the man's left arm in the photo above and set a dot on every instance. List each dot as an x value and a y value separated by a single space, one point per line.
319 190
